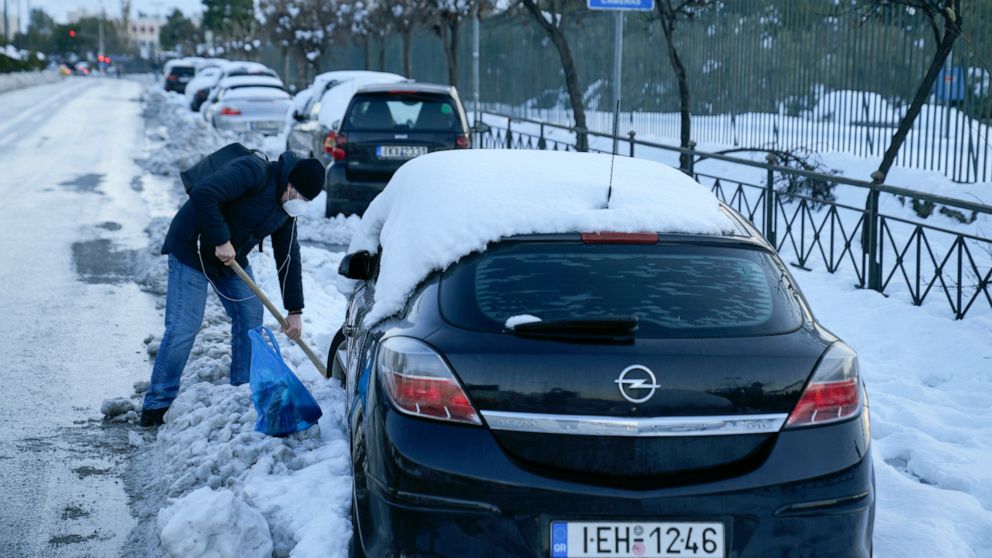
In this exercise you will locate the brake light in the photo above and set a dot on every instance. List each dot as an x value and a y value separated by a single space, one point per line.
619 238
334 140
339 154
419 382
228 111
172 77
463 142
834 392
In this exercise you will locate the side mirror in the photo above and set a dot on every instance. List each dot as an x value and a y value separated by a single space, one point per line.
480 128
357 265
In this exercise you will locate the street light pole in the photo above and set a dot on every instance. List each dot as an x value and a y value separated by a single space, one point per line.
475 58
617 73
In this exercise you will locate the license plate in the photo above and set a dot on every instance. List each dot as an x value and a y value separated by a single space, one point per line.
400 151
267 126
183 79
573 539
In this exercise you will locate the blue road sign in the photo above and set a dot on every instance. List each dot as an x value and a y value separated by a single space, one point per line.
623 5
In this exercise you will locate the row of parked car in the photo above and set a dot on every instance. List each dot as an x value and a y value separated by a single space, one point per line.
362 125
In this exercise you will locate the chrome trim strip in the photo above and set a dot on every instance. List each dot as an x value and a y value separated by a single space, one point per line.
653 427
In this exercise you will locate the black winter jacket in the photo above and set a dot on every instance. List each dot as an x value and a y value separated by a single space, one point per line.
240 203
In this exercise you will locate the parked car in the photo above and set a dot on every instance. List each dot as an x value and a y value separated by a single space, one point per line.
383 127
199 87
522 381
249 104
319 107
178 73
207 87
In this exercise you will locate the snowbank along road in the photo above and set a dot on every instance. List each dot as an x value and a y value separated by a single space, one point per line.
82 289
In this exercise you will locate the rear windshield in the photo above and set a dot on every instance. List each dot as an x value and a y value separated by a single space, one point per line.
673 290
403 111
182 70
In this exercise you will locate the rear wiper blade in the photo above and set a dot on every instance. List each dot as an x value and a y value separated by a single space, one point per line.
616 329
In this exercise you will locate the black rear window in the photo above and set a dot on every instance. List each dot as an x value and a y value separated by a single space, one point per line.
182 70
403 111
684 290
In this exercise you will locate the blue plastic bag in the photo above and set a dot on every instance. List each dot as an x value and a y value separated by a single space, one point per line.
283 404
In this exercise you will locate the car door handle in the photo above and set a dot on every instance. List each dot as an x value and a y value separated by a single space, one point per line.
348 330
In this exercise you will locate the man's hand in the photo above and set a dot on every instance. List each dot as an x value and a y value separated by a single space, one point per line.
225 253
293 327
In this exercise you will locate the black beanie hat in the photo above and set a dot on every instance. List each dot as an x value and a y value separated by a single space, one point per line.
307 177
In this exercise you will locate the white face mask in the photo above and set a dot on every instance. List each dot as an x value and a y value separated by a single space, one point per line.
294 208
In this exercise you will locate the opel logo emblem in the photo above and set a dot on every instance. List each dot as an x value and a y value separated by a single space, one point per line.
637 383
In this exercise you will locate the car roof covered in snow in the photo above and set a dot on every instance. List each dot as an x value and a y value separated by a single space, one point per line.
446 205
256 92
239 81
334 101
410 86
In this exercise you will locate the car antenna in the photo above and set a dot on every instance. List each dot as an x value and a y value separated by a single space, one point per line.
616 146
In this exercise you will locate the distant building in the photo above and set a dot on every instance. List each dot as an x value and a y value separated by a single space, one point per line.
143 32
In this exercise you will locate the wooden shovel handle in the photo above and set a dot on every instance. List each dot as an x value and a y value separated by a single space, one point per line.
279 317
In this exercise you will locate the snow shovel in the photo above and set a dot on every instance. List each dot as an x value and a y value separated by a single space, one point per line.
318 364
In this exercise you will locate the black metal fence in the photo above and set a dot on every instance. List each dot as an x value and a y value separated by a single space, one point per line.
787 74
884 249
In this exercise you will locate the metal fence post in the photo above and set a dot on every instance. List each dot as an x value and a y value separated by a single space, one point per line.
770 194
509 134
631 135
691 170
871 227
541 144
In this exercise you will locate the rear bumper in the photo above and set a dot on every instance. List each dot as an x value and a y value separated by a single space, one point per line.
347 195
249 124
431 489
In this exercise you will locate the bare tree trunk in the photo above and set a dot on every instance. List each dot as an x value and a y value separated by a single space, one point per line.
452 51
407 53
685 160
382 53
557 36
574 91
951 32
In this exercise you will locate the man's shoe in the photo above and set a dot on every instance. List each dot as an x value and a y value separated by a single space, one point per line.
153 417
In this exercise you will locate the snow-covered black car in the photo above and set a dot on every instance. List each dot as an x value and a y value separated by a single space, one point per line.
384 127
545 357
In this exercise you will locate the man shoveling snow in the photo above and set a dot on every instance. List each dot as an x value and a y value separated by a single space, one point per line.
229 213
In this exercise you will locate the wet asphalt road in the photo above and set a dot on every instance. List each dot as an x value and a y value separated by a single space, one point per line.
72 323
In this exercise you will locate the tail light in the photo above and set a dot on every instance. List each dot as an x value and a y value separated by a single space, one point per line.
228 111
834 392
463 141
619 238
419 382
333 143
172 77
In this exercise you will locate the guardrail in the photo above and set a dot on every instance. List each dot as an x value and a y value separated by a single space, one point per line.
889 253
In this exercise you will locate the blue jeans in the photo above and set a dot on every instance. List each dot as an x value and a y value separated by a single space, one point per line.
185 302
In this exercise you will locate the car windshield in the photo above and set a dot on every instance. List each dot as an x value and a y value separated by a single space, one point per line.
402 111
673 290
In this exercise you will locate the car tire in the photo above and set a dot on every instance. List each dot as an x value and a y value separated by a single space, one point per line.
354 546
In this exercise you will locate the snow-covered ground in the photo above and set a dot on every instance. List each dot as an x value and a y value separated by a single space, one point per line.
209 483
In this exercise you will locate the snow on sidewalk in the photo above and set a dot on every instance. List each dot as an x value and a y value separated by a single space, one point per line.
929 379
216 480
